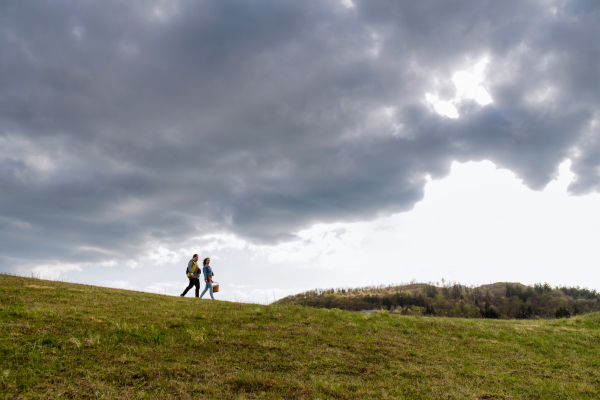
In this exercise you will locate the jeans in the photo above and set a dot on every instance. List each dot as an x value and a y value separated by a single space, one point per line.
208 287
193 282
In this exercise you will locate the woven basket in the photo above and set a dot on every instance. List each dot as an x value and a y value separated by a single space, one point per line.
215 287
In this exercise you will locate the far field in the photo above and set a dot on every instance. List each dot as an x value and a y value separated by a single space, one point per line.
61 340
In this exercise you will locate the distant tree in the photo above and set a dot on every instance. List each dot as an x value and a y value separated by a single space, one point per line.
562 312
490 312
575 310
456 291
387 302
527 293
431 291
522 292
445 292
580 293
541 289
429 310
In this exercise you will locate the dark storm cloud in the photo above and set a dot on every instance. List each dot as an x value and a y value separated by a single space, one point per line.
123 123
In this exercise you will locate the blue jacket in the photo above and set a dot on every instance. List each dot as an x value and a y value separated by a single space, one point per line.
207 271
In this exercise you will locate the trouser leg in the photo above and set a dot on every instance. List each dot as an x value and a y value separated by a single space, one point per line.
197 284
191 285
208 287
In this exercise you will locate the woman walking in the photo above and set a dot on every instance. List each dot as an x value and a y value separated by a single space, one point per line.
208 274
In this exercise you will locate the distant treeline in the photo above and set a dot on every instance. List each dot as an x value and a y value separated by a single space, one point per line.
498 300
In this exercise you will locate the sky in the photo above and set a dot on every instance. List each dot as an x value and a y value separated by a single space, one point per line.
321 143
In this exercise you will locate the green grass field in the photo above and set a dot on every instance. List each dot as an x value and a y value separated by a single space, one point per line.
61 340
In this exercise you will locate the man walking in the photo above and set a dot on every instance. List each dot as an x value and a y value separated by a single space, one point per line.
193 273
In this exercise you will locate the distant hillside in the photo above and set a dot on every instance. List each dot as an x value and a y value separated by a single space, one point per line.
66 341
497 300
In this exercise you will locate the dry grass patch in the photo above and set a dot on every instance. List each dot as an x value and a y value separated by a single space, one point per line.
38 287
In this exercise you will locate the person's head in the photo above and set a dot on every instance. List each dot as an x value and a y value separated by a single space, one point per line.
206 261
195 258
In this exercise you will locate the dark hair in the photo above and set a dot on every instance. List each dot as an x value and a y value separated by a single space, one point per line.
195 255
204 261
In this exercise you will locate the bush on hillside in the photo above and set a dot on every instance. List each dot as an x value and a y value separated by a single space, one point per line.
498 300
562 312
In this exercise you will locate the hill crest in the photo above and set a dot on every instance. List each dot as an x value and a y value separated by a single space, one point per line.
495 300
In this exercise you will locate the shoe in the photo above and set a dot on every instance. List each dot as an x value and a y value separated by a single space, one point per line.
180 295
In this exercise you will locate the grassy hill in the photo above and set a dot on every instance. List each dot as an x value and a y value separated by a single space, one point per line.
60 340
497 300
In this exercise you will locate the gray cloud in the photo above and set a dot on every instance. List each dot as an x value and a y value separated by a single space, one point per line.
123 123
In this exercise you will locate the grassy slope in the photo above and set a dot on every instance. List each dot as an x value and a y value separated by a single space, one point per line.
60 340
